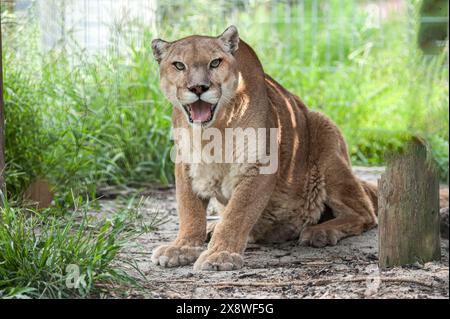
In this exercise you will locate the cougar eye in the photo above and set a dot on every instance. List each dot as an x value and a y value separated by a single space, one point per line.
215 63
180 66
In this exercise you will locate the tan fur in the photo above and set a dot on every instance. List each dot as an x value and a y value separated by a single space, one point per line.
314 168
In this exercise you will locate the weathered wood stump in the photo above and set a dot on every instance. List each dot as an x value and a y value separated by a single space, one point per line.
408 213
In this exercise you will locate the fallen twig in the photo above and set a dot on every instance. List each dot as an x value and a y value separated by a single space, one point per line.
310 282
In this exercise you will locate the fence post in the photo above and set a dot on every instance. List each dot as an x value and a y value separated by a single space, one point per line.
408 201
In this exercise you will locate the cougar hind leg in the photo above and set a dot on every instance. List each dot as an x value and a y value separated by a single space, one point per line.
352 207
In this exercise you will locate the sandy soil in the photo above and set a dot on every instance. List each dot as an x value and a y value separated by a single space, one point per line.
348 270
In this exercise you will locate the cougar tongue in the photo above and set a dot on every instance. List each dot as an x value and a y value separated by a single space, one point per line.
200 111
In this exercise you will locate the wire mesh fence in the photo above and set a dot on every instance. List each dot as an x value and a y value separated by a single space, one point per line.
305 32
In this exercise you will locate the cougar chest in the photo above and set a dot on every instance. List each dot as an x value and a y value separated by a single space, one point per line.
214 180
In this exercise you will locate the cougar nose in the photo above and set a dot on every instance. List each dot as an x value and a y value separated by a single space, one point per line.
198 89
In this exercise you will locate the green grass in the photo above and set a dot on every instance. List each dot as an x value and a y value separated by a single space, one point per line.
103 122
43 253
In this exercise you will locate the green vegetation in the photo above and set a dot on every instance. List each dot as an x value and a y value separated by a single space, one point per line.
44 255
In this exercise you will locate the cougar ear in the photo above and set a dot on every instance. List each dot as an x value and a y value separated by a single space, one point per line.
230 39
159 48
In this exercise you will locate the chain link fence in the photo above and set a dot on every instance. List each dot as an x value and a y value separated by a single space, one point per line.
308 31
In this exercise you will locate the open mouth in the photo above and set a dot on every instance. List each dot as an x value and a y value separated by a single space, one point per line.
200 111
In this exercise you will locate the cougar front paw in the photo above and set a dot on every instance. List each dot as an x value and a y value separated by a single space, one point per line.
319 237
219 260
173 256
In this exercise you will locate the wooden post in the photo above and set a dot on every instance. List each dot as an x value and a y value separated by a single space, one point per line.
408 214
2 123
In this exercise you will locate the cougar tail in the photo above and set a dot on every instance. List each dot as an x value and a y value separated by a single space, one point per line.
371 190
443 197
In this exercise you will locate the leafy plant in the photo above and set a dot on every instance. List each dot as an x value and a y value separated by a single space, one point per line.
47 254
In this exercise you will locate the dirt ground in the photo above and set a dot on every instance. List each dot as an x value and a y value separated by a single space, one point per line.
347 270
